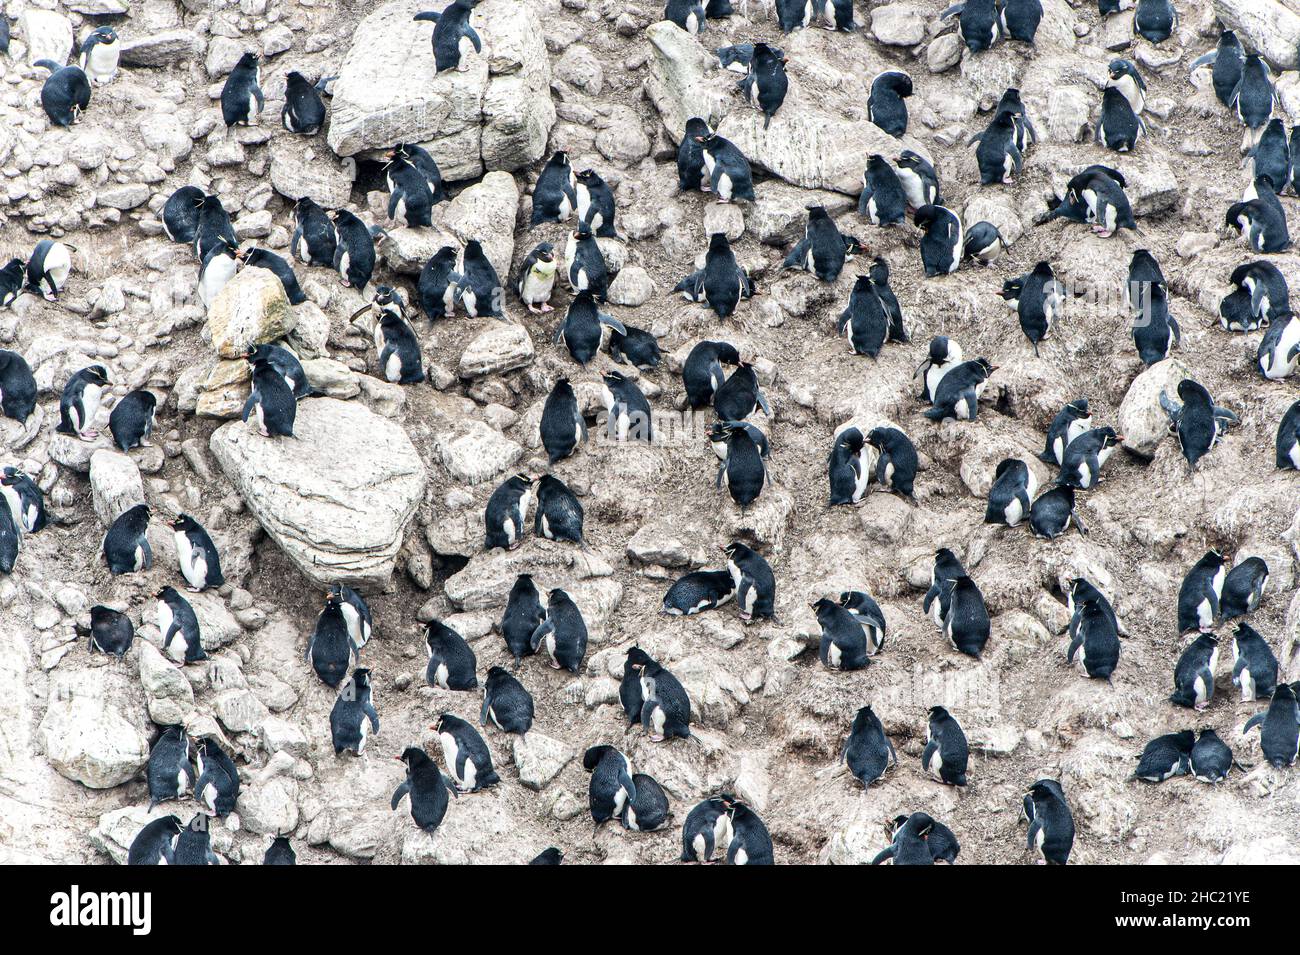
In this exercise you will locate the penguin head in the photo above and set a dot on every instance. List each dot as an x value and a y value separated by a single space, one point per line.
522 481
696 129
613 378
637 659
361 679
166 593
1010 99
895 80
1121 67
545 252
590 177
248 61
104 35
926 215
937 713
1190 390
1109 437
295 79
413 756
736 550
816 212
183 522
558 158
332 603
985 366
592 757
583 233
879 271
718 242
473 250
96 374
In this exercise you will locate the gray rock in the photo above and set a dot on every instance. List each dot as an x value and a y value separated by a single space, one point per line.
632 287
1141 419
299 167
496 115
250 310
115 484
898 24
335 523
500 347
539 759
162 49
1267 26
48 35
85 735
474 452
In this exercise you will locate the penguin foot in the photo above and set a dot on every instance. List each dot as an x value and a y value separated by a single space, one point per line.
546 308
88 435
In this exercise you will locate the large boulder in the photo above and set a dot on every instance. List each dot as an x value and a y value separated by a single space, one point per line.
85 734
495 115
48 35
115 484
301 168
1267 26
819 139
1141 419
501 347
250 310
336 497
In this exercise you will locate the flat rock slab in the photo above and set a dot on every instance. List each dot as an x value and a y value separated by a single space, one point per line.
336 497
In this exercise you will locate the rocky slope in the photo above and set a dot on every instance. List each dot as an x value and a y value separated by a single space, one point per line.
387 484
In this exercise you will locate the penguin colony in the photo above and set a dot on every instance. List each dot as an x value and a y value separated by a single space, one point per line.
723 384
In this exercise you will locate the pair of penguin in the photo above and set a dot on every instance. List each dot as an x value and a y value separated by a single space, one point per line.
22 511
1051 823
1259 296
272 398
1094 630
1259 219
873 315
885 455
952 386
956 605
615 792
1210 592
652 696
562 631
981 23
918 839
45 273
726 825
559 513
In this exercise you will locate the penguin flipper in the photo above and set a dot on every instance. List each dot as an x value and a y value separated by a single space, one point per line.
612 322
1074 648
400 791
625 781
762 402
953 11
543 628
370 711
473 38
885 855
1203 59
1254 721
483 711
796 256
171 633
250 404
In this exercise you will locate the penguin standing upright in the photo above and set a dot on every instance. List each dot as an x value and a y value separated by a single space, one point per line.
353 717
48 269
702 373
1119 126
563 633
966 622
559 512
630 696
506 514
1254 667
1051 824
722 283
1243 588
111 631
879 273
1254 98
409 197
707 829
284 362
742 471
1279 350
919 180
1155 331
997 155
453 37
506 703
630 416
942 242
555 195
79 401
755 583
469 762
1198 421
1279 737
947 568
1227 59
480 291
1271 156
330 647
868 752
13 279
217 784
98 55
169 773
882 201
179 625
451 661
896 460
958 393
1094 639
400 360
65 95
849 467
691 174
523 614
1194 673
438 282
729 174
303 112
354 250
843 641
200 564
216 270
356 614
611 787
26 502
946 751
665 707
1200 592
765 85
537 278
126 545
751 844
273 401
1040 303
885 106
214 228
1020 19
582 327
241 96
1011 493
595 204
426 787
793 14
822 251
314 239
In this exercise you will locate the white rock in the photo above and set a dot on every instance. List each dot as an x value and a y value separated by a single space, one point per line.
501 347
115 484
337 497
48 35
1141 419
85 735
474 452
1266 26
